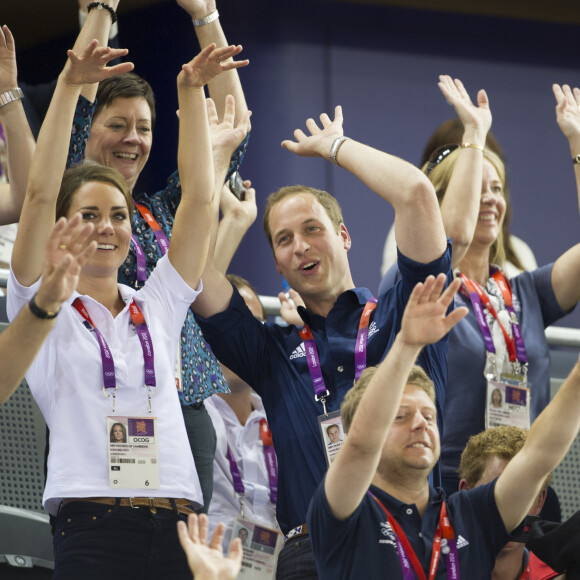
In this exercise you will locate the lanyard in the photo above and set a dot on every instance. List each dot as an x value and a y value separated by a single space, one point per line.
271 466
360 353
443 542
160 236
144 335
480 300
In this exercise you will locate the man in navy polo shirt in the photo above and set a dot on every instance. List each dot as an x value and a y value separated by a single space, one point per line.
304 375
375 514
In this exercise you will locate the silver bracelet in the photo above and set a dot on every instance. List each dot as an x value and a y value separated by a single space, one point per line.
206 19
10 96
336 145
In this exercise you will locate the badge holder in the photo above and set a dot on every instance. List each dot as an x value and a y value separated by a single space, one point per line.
332 434
133 453
261 546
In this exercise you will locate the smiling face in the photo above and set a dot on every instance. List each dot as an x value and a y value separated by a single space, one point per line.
492 207
121 137
106 207
413 440
308 250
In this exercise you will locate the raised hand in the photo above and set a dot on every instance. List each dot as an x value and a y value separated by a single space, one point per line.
567 110
91 65
424 320
206 560
8 72
244 211
476 119
209 63
67 251
289 307
319 142
225 136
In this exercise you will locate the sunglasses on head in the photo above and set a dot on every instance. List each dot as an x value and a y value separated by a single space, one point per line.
439 155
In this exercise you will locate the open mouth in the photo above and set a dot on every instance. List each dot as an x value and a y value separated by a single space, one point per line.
309 266
106 247
128 156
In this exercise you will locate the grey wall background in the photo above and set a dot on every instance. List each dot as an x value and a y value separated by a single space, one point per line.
381 64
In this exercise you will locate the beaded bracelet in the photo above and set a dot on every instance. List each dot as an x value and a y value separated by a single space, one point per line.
101 6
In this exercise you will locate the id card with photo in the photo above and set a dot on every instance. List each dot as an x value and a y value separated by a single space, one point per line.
508 403
261 547
133 456
332 434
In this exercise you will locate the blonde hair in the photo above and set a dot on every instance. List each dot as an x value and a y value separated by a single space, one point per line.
440 176
417 377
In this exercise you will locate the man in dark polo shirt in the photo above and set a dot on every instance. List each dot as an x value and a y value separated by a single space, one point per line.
303 375
375 514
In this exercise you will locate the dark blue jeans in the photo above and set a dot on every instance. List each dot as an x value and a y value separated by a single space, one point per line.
94 542
296 560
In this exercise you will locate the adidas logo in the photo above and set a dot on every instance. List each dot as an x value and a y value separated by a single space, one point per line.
461 542
298 352
372 329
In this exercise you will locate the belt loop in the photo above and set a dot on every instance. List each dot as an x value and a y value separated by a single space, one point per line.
152 507
117 504
174 506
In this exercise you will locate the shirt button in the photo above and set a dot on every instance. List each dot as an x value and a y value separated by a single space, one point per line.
409 511
340 369
420 535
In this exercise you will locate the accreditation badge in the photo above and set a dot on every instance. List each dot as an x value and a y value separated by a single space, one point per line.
508 403
332 434
261 547
133 455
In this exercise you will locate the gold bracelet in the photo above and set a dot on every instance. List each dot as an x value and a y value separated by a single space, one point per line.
472 146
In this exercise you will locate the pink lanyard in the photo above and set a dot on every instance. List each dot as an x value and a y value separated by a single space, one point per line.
443 542
271 466
360 353
479 299
144 335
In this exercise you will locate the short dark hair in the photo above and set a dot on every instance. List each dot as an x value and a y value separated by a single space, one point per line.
124 86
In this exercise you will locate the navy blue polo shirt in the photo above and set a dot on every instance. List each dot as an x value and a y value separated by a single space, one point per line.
272 360
363 545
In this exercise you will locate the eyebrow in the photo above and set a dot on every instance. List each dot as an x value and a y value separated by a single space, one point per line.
115 207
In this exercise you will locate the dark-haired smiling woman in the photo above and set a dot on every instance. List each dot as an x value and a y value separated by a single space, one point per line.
111 353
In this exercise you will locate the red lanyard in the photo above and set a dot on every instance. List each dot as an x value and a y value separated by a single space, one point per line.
443 540
472 287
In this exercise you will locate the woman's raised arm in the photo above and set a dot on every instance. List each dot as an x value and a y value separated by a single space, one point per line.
49 161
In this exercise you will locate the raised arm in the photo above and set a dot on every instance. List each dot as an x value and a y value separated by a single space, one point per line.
195 161
228 83
424 322
48 163
21 341
19 140
566 271
238 216
418 226
460 205
548 441
97 26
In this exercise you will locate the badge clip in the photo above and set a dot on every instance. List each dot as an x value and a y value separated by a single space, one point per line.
322 399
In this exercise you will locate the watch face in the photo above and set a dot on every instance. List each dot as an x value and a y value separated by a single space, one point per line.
576 159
